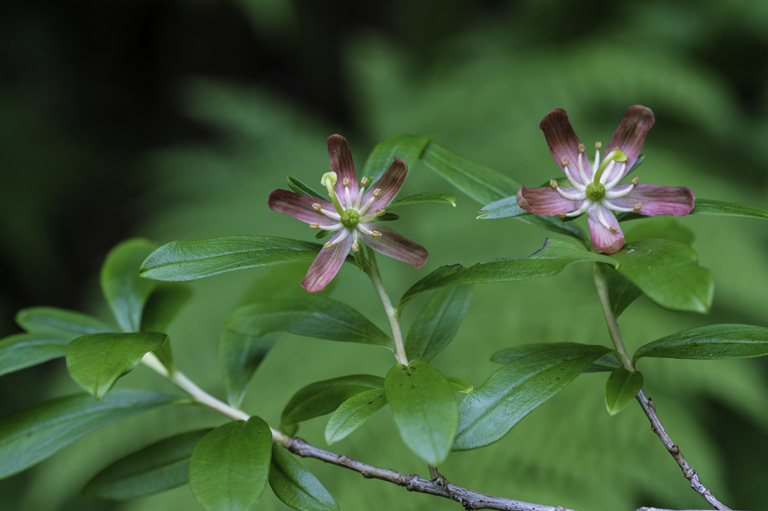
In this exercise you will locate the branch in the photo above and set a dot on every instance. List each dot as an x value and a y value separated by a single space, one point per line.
470 499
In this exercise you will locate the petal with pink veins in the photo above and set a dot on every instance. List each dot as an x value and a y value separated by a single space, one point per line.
602 237
546 200
561 138
327 263
394 245
657 200
300 206
341 163
389 184
629 137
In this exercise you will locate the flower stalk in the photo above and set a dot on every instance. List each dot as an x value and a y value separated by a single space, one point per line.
393 315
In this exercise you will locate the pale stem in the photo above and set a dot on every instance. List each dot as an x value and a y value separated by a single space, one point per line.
393 316
601 284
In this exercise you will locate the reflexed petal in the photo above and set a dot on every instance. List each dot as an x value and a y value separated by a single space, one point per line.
392 244
327 263
657 200
389 184
561 138
602 238
546 200
341 163
630 135
299 206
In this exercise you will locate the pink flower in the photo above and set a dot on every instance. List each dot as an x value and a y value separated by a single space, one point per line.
350 215
595 187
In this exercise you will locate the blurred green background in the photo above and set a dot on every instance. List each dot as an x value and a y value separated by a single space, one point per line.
175 119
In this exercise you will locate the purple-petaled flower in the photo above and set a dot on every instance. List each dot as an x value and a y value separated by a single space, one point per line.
595 187
350 215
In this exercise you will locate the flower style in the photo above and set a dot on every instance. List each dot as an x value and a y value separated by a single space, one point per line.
595 187
350 215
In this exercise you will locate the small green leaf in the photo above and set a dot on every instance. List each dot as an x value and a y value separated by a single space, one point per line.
96 361
549 260
502 208
300 187
155 468
312 316
668 273
420 198
621 291
437 323
60 322
125 291
607 362
296 486
240 355
515 389
460 385
32 435
353 413
191 260
408 148
620 388
424 409
26 350
230 465
325 396
710 343
715 207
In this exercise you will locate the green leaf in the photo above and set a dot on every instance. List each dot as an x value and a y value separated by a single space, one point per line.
60 322
508 208
190 260
549 260
125 291
662 227
96 361
621 291
240 355
296 486
620 388
300 187
353 413
230 465
715 207
424 409
155 468
437 323
165 302
408 148
710 342
420 198
32 435
515 389
311 316
502 208
668 273
460 385
325 396
26 350
607 362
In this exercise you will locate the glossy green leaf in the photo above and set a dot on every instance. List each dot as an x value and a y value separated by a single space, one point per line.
549 260
661 227
516 388
621 291
163 305
710 342
325 396
59 322
302 188
460 385
191 260
424 409
240 355
408 148
32 435
296 486
715 207
668 273
155 468
230 465
607 362
126 292
437 322
311 316
353 413
420 198
26 350
96 361
621 388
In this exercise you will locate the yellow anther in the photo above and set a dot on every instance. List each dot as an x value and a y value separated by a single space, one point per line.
637 206
316 206
379 212
635 180
377 192
364 181
355 246
582 149
328 245
598 145
553 183
376 234
561 215
613 229
314 226
345 181
564 161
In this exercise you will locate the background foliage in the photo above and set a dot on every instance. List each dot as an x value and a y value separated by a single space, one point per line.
174 120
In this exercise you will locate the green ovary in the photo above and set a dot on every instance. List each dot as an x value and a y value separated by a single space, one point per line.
595 193
353 218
